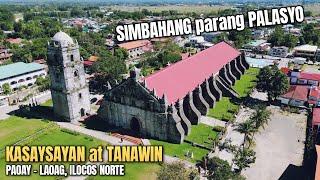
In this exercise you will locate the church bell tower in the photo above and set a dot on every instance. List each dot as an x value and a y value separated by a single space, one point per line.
69 88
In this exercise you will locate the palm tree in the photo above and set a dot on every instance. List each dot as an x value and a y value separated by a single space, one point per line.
260 117
247 128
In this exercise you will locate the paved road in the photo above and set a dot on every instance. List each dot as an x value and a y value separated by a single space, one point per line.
236 138
96 134
210 121
6 109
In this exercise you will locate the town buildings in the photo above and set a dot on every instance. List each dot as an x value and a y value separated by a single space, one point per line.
20 74
165 104
281 51
136 48
4 54
306 50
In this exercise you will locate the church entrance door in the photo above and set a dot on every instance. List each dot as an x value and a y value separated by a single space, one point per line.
135 125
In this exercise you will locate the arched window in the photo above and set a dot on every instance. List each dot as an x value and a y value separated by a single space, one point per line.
80 95
71 57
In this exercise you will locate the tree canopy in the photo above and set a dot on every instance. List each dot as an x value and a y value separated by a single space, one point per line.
272 81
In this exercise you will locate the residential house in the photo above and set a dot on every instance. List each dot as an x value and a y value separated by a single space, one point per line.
136 48
4 54
295 96
306 50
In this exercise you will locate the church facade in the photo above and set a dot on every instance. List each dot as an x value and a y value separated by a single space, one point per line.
69 89
165 104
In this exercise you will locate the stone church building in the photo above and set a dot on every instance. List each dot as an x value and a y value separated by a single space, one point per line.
165 104
69 89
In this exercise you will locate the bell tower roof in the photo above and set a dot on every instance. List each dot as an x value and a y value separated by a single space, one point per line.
63 38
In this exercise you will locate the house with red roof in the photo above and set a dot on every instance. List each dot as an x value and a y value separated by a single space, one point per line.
301 96
305 78
136 48
165 104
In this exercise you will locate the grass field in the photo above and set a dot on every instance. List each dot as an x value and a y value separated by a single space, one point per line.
15 128
225 109
47 103
247 82
180 8
135 171
180 150
202 134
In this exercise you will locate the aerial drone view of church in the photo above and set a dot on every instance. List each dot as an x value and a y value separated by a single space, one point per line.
162 105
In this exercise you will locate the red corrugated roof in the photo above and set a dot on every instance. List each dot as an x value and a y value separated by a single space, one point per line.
184 76
316 116
310 76
297 92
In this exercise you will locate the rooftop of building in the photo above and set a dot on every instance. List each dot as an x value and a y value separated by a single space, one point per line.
134 44
18 68
306 47
316 116
309 76
176 80
256 42
297 92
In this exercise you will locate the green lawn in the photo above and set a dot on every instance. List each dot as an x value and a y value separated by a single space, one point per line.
225 109
135 171
202 134
180 150
248 80
47 103
16 128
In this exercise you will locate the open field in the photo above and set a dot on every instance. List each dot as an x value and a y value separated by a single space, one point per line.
180 8
180 150
15 128
314 8
279 147
202 134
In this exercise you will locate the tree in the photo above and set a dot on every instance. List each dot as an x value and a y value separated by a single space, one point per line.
243 158
289 40
277 37
260 117
6 88
272 81
219 169
247 128
175 171
43 83
121 53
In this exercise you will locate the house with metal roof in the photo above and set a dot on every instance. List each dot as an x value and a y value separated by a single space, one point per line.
20 74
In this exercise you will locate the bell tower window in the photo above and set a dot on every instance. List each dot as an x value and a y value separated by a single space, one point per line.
71 58
76 74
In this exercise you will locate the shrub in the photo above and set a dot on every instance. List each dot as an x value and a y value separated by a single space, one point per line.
70 132
218 128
